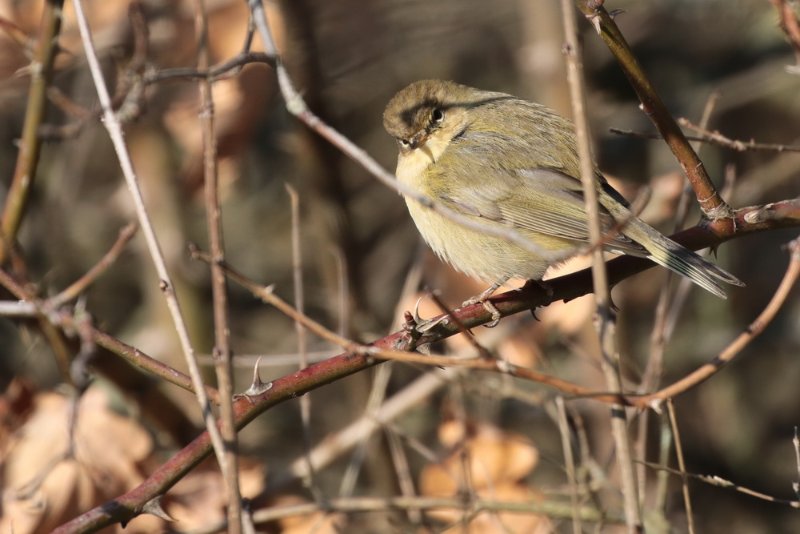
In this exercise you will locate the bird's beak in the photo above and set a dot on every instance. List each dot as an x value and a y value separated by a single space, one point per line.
419 139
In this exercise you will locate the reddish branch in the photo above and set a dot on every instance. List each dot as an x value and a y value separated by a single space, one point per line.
707 196
265 396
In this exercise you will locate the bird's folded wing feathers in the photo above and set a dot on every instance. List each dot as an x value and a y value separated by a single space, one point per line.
544 201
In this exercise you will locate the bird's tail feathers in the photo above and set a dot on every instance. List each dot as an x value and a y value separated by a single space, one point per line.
667 253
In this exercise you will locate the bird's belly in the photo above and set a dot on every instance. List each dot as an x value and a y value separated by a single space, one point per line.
479 255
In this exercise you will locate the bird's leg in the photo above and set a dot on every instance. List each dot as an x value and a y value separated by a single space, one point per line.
483 298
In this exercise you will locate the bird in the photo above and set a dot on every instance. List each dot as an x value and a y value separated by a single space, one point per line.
508 163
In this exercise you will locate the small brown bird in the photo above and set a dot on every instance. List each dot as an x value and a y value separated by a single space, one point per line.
507 162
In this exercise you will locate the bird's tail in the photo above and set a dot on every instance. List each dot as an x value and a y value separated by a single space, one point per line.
667 253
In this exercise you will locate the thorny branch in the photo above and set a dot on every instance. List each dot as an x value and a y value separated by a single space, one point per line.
359 357
712 205
749 220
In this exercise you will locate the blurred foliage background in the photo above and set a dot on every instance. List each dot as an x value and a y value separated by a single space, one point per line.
363 260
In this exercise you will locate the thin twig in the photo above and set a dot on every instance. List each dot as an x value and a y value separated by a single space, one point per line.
377 395
279 359
80 285
368 423
714 480
143 362
30 306
267 295
165 282
28 158
666 305
343 290
714 138
734 348
300 331
474 506
219 283
226 69
569 463
687 499
660 493
405 479
605 321
735 144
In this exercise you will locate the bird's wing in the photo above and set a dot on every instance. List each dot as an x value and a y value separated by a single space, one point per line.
543 201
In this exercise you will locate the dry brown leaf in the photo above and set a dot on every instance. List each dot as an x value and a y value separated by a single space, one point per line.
44 489
199 498
490 457
16 403
568 318
319 522
451 432
522 347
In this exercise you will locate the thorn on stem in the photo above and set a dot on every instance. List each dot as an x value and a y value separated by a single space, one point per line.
257 386
153 507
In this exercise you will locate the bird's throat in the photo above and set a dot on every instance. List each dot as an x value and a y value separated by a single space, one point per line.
411 165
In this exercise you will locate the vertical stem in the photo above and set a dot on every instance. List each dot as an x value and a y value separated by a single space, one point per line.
687 499
569 463
219 288
669 303
300 330
28 157
605 318
114 128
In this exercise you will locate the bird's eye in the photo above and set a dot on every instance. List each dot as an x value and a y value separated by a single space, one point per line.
404 143
437 116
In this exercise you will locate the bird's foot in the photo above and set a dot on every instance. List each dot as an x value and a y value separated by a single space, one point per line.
483 299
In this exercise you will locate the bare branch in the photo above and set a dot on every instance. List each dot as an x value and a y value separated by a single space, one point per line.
114 128
713 206
605 317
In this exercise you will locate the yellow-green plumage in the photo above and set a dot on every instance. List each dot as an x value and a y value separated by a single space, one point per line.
512 163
